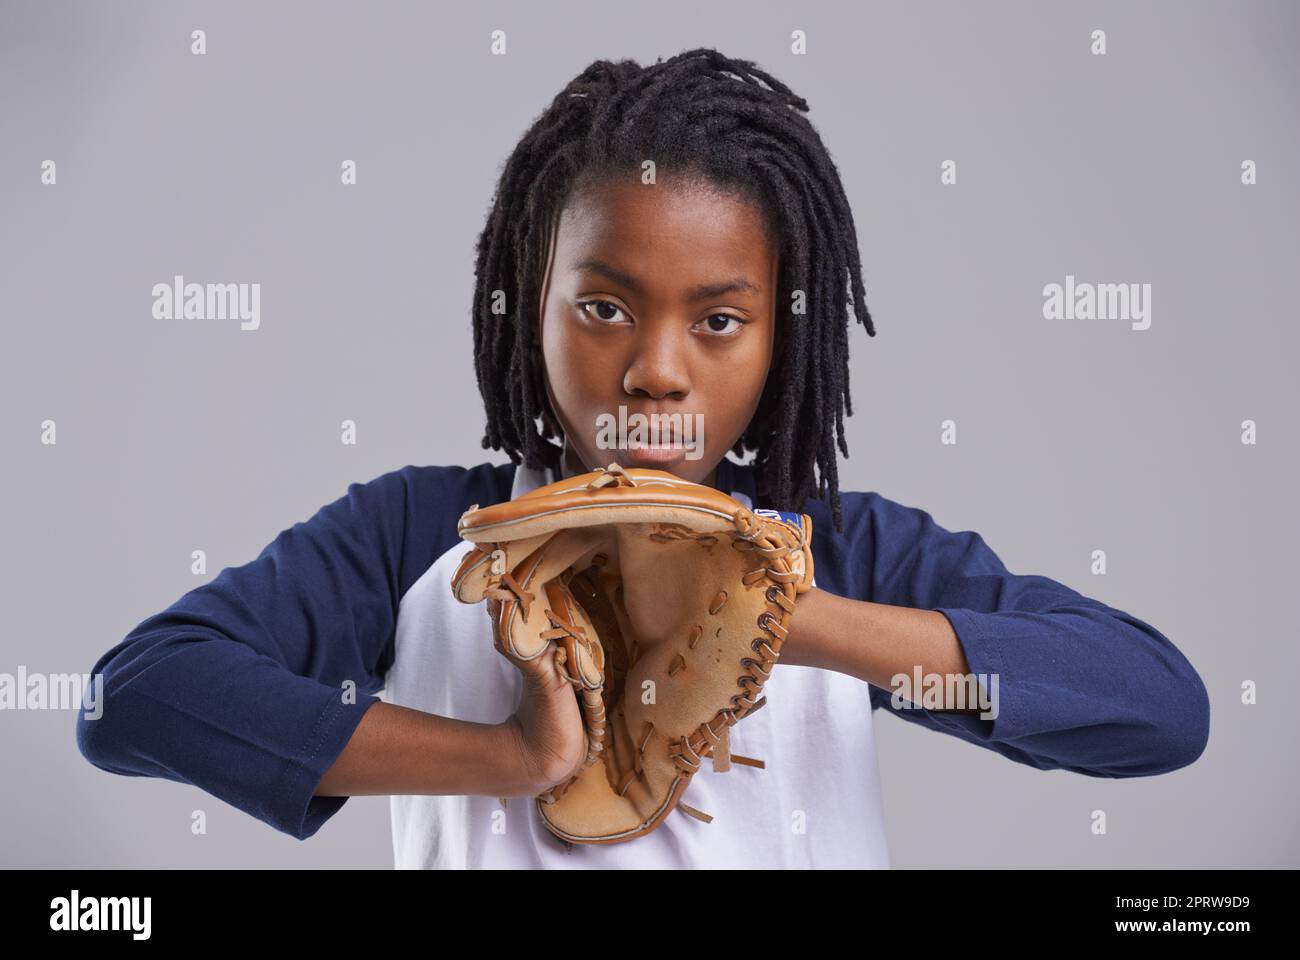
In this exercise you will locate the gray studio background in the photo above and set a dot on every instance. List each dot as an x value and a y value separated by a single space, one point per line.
1072 435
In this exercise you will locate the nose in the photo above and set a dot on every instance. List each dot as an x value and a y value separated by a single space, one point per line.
659 364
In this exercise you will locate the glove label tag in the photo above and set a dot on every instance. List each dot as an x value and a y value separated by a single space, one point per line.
791 518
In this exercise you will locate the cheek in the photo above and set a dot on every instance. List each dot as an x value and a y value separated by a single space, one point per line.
751 369
734 387
575 372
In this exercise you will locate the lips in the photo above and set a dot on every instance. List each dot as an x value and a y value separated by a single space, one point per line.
667 437
654 453
673 443
667 434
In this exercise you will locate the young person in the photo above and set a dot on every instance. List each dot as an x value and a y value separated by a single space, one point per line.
667 239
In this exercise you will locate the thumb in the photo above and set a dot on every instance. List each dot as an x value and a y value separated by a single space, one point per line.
547 669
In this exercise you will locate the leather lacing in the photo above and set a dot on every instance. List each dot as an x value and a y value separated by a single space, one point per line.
612 474
509 589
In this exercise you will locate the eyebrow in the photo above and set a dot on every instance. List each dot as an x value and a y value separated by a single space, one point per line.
703 291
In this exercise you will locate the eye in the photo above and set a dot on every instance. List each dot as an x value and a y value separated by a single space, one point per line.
711 324
603 310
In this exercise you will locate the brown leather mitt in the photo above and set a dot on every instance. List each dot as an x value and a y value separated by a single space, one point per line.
669 602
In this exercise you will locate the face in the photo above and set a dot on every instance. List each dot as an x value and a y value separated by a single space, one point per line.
659 299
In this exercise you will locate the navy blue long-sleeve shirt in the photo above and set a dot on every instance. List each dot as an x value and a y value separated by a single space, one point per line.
236 688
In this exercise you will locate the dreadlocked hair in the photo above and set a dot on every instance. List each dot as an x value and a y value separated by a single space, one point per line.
736 127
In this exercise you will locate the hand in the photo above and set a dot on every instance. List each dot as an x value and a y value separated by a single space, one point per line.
547 730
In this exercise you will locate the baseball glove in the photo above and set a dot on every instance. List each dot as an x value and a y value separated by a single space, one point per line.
668 601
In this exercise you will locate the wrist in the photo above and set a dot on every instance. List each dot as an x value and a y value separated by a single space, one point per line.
512 772
800 646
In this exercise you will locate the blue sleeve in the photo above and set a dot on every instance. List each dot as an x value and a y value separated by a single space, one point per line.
239 687
1082 686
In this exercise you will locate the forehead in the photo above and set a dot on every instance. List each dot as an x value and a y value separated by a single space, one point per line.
670 229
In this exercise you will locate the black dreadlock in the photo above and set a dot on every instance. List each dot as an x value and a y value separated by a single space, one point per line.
731 123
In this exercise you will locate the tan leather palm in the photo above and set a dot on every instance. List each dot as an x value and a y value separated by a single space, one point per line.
670 601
